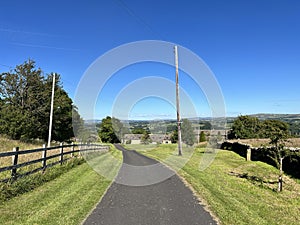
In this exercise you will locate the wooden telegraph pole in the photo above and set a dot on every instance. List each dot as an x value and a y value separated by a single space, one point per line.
51 112
177 103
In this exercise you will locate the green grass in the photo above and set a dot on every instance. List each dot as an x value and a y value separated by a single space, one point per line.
107 164
237 191
65 200
25 184
68 199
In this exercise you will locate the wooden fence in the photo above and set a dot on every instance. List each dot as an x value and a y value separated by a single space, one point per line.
57 154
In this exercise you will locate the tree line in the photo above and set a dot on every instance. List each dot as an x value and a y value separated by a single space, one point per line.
247 127
111 130
25 101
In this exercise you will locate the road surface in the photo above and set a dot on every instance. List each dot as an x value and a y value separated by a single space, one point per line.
169 202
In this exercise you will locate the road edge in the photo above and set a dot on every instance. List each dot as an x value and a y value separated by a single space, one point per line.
200 199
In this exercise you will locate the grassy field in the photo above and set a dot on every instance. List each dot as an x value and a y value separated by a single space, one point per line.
237 191
7 145
66 200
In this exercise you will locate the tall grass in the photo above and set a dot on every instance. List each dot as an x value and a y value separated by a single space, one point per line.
7 145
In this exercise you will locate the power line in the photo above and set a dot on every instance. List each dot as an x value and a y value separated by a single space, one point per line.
138 18
6 66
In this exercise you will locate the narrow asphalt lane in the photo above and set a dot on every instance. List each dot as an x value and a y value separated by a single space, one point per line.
168 202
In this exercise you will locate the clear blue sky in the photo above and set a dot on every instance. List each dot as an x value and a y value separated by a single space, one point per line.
252 47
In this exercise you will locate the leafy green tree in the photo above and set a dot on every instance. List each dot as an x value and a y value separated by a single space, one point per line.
138 130
187 132
146 139
78 124
141 130
245 127
63 112
205 125
13 121
174 136
62 116
202 136
274 129
21 91
119 128
171 128
219 136
295 128
278 132
25 98
106 132
251 127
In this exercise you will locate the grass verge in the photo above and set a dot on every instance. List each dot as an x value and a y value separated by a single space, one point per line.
25 184
68 199
237 191
65 200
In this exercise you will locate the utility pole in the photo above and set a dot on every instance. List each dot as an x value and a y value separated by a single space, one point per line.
51 112
177 103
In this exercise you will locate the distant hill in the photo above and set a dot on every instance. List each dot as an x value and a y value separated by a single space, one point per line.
290 118
283 117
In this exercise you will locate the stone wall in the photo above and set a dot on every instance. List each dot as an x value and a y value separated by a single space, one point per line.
291 163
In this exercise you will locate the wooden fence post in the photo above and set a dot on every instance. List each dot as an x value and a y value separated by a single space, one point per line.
15 162
61 153
73 148
44 155
248 157
79 148
85 148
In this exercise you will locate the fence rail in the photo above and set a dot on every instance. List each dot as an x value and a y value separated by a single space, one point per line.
47 153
